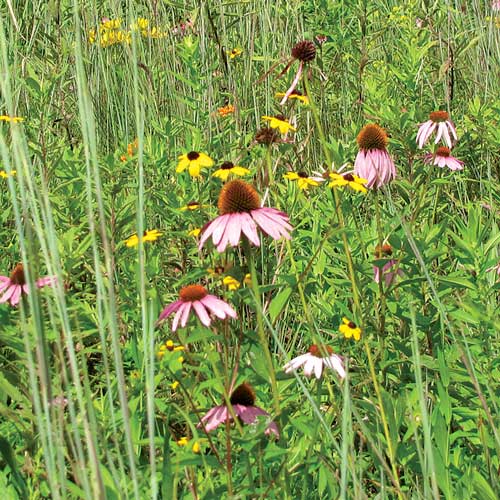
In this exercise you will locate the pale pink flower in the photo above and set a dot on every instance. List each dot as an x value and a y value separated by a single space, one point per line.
239 206
243 403
15 286
373 162
495 5
438 121
196 297
314 361
390 269
442 158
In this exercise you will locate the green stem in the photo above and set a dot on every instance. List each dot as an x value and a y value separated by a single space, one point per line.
381 312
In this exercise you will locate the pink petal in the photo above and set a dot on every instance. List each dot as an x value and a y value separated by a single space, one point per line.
249 228
46 281
335 363
201 312
14 299
180 311
233 229
4 282
218 307
220 229
293 85
185 313
170 309
215 417
207 231
7 295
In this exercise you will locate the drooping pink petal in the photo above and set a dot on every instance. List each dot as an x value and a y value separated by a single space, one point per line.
220 229
296 362
185 313
335 362
293 85
453 131
207 231
233 229
201 312
215 417
8 293
46 281
281 218
218 307
167 311
249 229
178 315
16 296
4 282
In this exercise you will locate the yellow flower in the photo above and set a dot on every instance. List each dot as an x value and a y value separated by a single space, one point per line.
195 232
14 119
131 150
228 168
170 346
196 447
351 180
151 235
194 162
174 385
349 329
303 181
235 53
5 175
142 23
183 441
232 283
279 122
247 279
192 205
226 110
135 375
295 95
92 36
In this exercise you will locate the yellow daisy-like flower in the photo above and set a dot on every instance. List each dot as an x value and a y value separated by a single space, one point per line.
5 175
194 162
279 122
350 329
191 206
196 447
111 24
151 235
232 283
174 385
226 110
247 279
295 95
228 168
183 441
235 52
14 119
351 180
195 232
303 180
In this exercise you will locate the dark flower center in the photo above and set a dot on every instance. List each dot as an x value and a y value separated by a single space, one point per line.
17 276
237 197
372 136
443 151
348 177
439 116
281 118
319 352
304 51
302 174
266 135
227 165
193 155
351 325
243 395
191 293
193 204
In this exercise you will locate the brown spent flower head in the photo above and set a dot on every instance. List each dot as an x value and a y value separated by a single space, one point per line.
17 276
193 155
192 293
266 135
372 136
382 251
304 51
243 395
227 165
439 116
319 352
443 151
236 197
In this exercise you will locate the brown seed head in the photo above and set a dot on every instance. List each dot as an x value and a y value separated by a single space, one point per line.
266 135
304 51
193 155
17 276
319 352
227 165
243 395
191 293
372 136
443 151
237 197
302 174
439 116
348 177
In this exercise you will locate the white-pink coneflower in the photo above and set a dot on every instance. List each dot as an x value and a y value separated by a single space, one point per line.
390 269
243 402
196 297
373 162
15 286
240 212
495 5
442 158
439 122
314 361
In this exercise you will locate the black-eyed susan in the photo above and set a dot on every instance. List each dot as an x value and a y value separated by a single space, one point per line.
194 232
279 122
168 346
13 119
235 53
5 175
194 162
151 235
349 329
302 179
351 180
183 441
295 95
191 206
231 283
229 168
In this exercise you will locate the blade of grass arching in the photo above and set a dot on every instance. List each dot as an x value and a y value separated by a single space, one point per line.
105 294
428 468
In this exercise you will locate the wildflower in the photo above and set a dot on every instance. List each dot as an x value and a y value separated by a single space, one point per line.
5 175
314 361
232 283
195 232
390 269
196 297
442 158
234 53
373 162
226 110
194 162
295 95
170 347
15 285
240 211
151 235
243 402
347 179
196 447
174 385
349 329
303 180
495 5
247 279
228 168
305 52
280 123
135 374
439 120
191 206
131 150
267 136
183 441
13 119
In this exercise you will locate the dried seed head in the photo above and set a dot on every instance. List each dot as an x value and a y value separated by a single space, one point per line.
17 276
372 136
439 116
443 151
191 293
319 352
243 395
304 51
236 197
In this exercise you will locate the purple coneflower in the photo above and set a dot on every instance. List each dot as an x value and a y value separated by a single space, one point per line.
240 212
373 162
442 158
16 285
314 361
390 269
196 297
440 121
243 402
